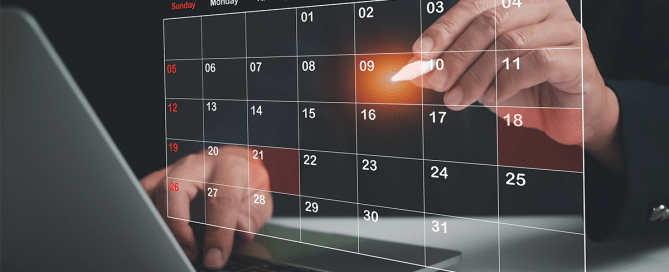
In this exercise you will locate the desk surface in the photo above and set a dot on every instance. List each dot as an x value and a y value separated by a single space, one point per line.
640 254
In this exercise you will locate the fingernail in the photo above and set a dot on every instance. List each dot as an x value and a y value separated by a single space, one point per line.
213 259
453 97
425 44
437 80
428 43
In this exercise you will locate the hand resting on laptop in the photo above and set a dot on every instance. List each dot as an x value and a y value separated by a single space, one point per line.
227 204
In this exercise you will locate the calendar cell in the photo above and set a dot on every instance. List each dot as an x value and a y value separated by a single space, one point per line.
325 30
386 27
184 119
374 83
284 205
273 124
224 79
327 127
328 175
222 37
177 149
388 182
272 79
271 33
178 203
525 249
182 38
183 79
217 198
558 92
282 167
329 79
445 130
433 10
326 213
544 138
225 121
459 234
391 130
211 153
449 72
446 183
375 222
525 193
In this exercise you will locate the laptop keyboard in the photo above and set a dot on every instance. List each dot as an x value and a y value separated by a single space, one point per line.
251 264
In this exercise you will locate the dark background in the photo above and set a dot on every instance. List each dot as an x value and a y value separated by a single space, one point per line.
114 52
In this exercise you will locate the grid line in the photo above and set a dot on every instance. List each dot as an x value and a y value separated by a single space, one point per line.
248 130
365 103
382 53
355 91
499 246
167 192
299 159
422 123
204 158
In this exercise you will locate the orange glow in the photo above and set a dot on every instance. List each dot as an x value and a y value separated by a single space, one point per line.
376 86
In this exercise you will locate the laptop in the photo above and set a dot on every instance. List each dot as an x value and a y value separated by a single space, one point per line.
70 202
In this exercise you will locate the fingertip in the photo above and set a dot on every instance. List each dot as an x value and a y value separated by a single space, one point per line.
245 236
214 259
454 97
437 81
190 251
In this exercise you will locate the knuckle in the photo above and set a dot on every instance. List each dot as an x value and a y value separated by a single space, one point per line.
575 30
487 21
458 57
512 40
574 27
501 18
474 78
545 58
224 198
444 27
474 7
195 158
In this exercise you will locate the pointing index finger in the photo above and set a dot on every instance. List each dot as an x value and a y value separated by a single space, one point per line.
440 35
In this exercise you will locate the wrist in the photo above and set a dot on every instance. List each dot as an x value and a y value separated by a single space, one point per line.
601 131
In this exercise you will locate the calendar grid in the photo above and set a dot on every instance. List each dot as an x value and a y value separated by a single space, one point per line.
423 158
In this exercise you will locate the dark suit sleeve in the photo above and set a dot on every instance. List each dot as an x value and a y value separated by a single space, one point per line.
620 206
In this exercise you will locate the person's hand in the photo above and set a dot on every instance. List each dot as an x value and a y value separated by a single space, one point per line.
229 208
546 38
